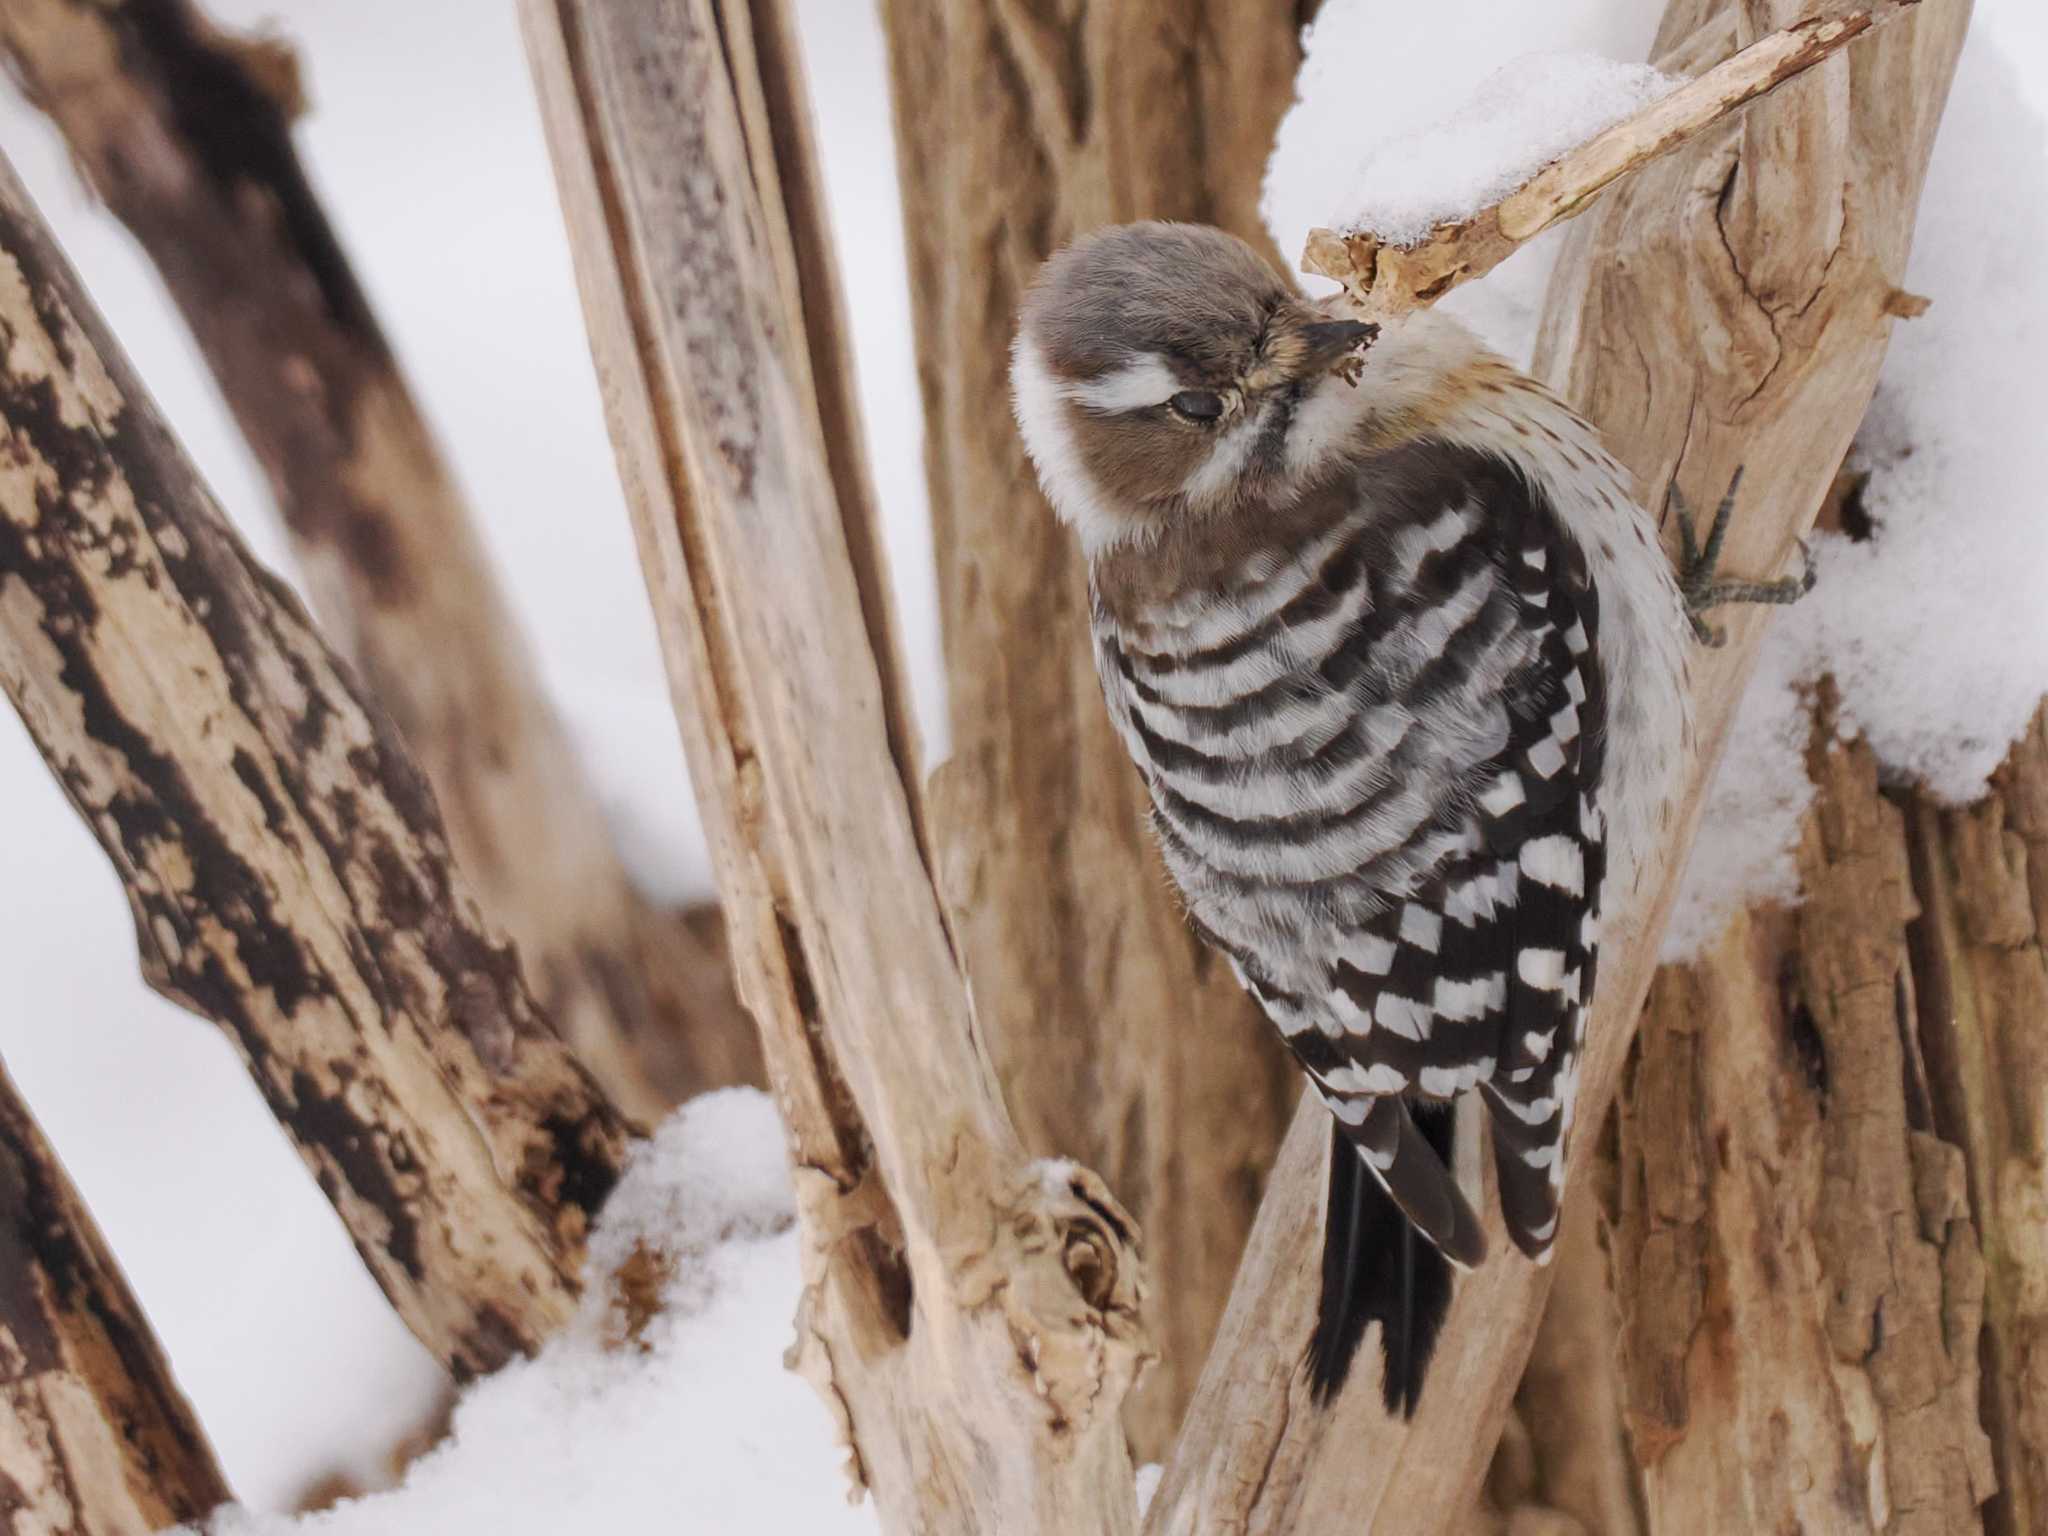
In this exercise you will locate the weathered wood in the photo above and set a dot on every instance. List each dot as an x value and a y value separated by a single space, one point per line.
1725 305
1980 968
1118 1040
972 1317
185 131
1384 279
1800 1272
95 1437
285 862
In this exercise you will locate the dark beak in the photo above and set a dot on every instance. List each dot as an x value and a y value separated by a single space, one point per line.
1328 341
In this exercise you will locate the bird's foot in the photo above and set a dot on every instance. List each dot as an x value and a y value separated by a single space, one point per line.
1698 568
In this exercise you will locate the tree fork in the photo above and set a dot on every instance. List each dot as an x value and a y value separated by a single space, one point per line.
1117 1037
185 131
95 1437
284 860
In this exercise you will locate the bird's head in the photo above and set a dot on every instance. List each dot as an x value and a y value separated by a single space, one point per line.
1165 371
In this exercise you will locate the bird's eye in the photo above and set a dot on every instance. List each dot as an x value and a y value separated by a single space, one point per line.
1197 405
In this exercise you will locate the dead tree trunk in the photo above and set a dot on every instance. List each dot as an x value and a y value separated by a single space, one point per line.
1979 951
1118 1040
1831 1222
285 862
95 1437
185 131
1801 1276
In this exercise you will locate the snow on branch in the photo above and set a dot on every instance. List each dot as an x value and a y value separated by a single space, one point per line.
1387 269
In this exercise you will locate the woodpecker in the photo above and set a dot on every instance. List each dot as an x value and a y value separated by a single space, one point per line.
1403 667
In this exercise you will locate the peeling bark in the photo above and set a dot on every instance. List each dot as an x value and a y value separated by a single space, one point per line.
185 131
1119 1041
1980 963
1803 1279
284 860
971 1318
95 1437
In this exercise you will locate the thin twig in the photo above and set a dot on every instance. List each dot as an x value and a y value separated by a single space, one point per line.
1384 279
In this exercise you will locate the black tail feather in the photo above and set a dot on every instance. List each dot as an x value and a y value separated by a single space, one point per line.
1377 1269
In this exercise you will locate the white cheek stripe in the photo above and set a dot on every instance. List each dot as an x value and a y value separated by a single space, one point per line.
1148 381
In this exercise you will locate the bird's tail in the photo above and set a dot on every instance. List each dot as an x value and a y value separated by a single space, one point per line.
1378 1269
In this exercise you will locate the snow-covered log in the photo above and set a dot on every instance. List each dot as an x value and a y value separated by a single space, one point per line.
972 1316
285 862
185 131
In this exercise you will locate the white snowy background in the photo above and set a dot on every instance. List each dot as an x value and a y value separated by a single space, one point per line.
425 145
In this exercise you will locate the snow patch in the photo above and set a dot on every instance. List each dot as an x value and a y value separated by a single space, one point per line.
1522 117
1934 625
697 1429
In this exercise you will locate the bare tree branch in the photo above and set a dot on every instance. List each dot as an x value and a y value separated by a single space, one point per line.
95 1437
185 131
285 862
973 1317
1383 279
1748 329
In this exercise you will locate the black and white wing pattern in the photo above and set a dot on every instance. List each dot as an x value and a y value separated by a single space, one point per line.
1488 966
1375 772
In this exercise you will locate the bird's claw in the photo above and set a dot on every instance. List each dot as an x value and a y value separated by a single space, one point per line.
1698 564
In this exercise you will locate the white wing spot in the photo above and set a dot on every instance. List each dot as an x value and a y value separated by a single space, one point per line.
1371 954
1564 725
1378 1080
1504 794
1541 968
1402 1016
1546 757
1442 1082
1555 861
1421 927
1350 1111
1461 1001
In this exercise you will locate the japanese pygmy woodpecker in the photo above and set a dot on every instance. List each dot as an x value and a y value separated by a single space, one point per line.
1402 665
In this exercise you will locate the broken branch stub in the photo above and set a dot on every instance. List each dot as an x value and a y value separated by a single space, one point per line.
284 860
1383 279
972 1317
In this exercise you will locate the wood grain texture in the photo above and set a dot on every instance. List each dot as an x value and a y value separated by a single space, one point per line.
1118 1039
184 130
286 865
971 1317
1801 1273
95 1437
1726 305
1980 968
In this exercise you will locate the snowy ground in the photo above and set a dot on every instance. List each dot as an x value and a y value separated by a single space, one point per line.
429 153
